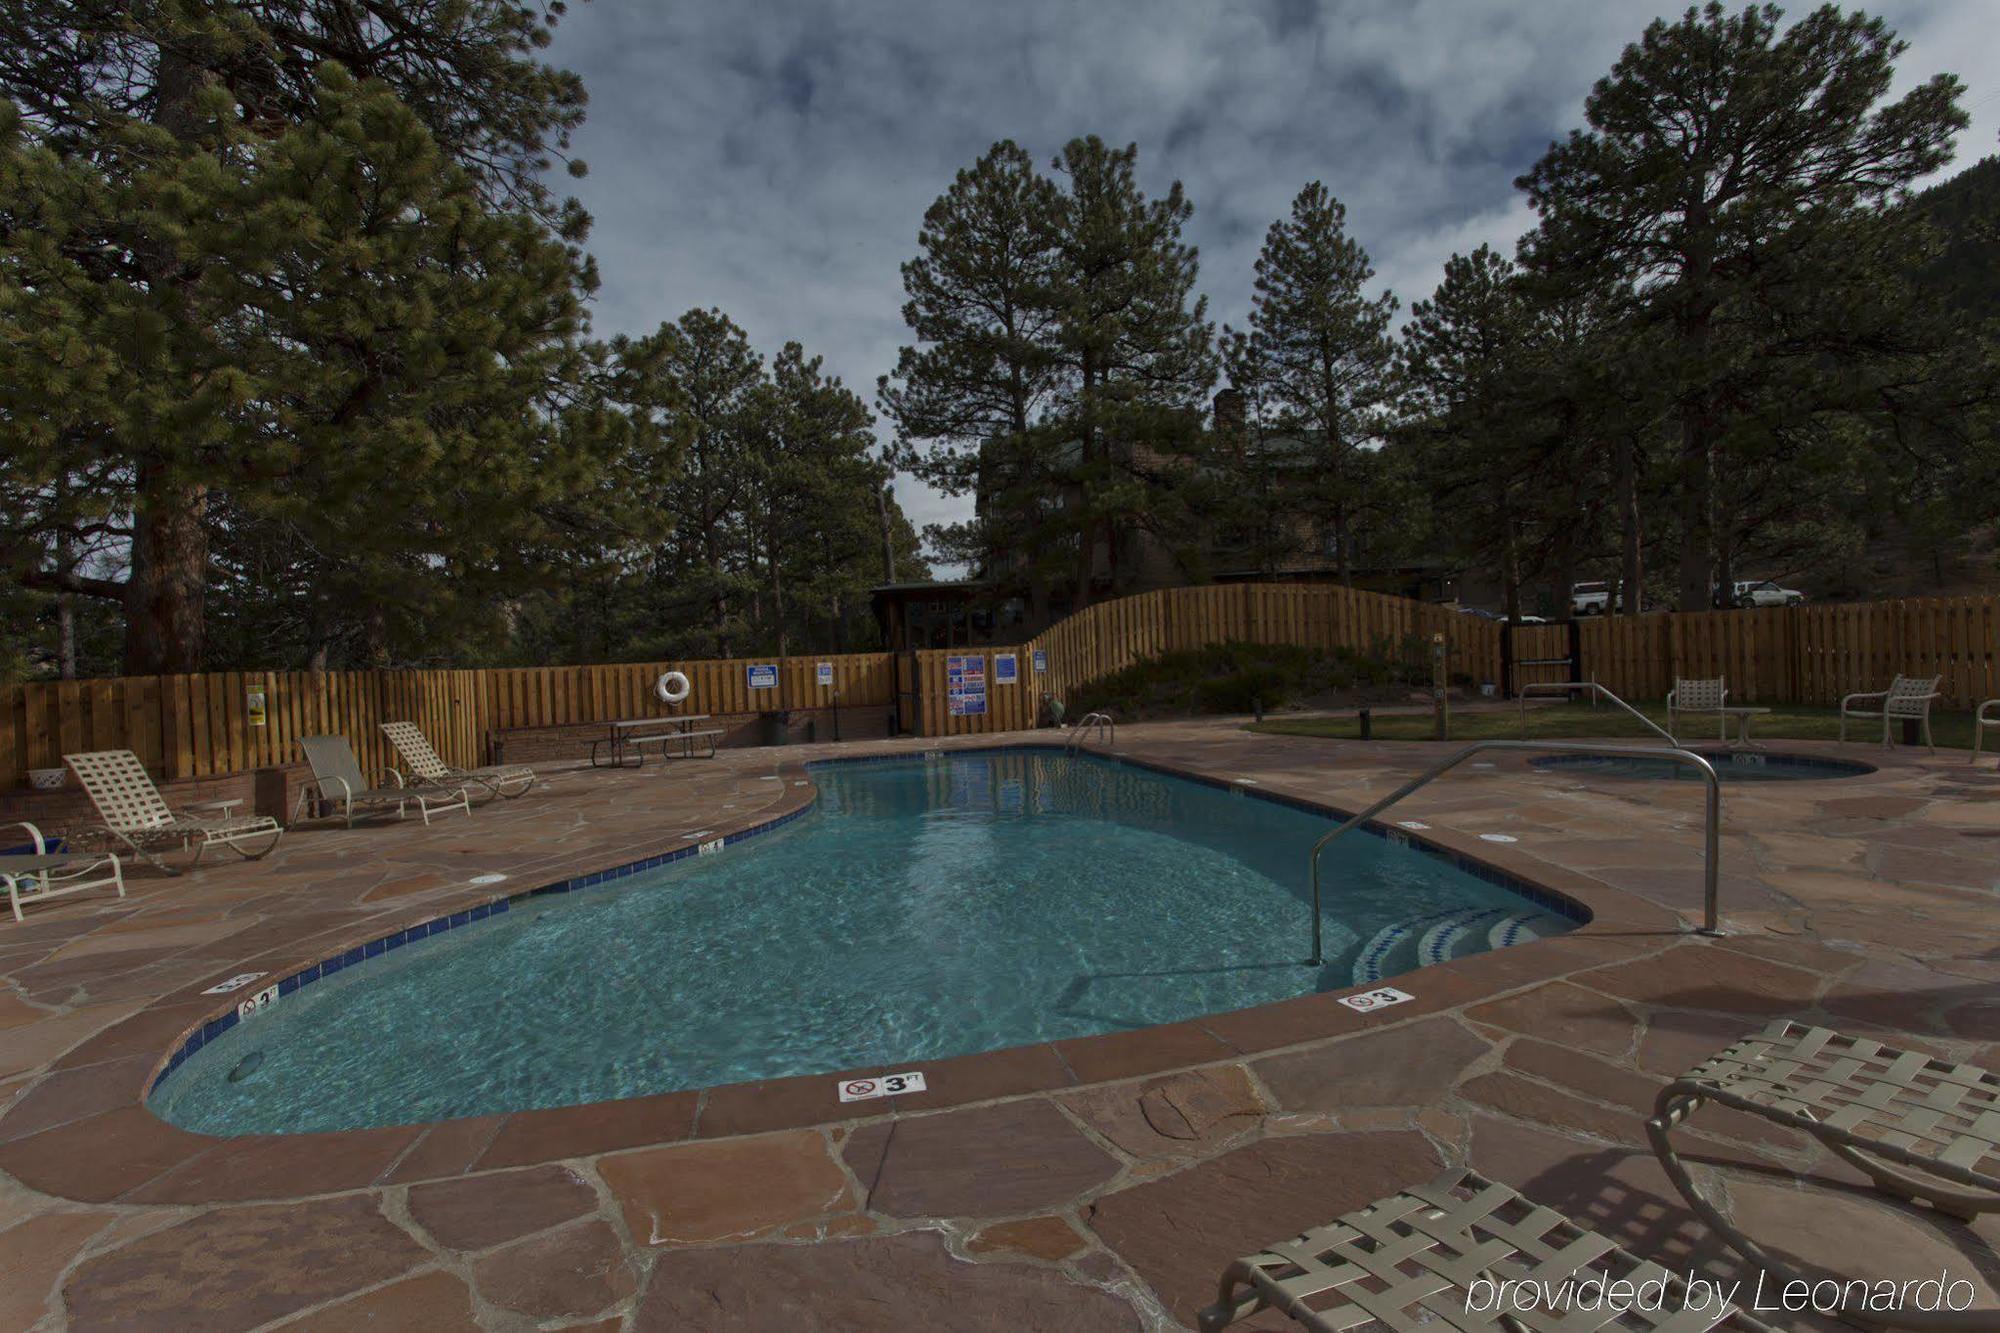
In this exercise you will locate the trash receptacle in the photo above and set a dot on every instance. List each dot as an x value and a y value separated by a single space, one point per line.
774 726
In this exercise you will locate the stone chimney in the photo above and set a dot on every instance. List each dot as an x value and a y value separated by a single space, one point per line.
1229 411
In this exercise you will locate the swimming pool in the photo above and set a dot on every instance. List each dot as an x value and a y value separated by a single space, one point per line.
1730 766
925 908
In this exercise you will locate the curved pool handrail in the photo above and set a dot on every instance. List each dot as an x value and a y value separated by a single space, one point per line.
1712 837
1100 723
1571 687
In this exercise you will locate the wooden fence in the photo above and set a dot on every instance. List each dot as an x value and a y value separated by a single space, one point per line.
230 722
1113 635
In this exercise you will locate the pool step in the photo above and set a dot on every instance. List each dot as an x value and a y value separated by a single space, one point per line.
1455 932
1457 936
1521 927
1396 948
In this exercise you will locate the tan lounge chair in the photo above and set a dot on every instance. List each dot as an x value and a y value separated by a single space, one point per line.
1907 698
1434 1256
1919 1127
133 811
32 876
337 783
508 780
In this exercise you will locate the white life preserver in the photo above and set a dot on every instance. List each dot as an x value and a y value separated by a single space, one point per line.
672 687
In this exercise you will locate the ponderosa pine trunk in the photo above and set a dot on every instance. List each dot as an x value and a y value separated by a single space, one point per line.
166 592
1631 568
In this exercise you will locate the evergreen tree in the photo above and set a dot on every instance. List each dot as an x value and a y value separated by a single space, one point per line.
966 400
1321 354
1137 357
1460 353
169 110
1721 148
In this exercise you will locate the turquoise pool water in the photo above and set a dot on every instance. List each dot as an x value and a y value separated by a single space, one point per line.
925 909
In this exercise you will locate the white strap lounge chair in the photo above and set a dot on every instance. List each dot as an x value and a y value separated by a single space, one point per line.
1921 1128
337 784
1435 1256
1987 716
508 780
1908 698
1699 696
135 814
32 876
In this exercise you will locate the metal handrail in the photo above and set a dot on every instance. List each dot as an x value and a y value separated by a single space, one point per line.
1711 844
1101 722
1571 687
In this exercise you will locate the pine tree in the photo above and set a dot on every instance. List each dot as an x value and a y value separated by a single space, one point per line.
965 401
1321 352
173 108
1137 356
1721 147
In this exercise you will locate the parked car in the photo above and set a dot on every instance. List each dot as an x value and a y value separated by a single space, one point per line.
1484 614
1761 592
1593 599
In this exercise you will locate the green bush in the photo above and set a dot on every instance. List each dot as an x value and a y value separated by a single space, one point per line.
1234 678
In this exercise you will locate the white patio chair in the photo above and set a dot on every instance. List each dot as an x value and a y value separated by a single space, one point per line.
337 783
508 780
1699 696
134 812
29 877
1987 716
1908 698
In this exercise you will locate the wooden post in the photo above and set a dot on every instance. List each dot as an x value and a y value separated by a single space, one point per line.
1440 709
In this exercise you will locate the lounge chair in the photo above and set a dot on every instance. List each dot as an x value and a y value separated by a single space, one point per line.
135 814
1434 1256
508 780
1699 696
32 876
1921 1128
337 783
1987 716
1908 698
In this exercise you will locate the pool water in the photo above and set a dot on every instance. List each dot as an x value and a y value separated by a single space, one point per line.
925 909
1730 766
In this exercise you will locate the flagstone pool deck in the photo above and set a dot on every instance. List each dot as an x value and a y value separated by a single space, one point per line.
1099 1183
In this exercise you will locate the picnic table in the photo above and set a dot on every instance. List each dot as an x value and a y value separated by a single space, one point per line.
632 736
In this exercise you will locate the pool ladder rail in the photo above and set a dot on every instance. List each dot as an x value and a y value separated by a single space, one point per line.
1092 724
1711 837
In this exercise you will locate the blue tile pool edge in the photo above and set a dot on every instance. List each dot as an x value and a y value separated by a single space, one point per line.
376 948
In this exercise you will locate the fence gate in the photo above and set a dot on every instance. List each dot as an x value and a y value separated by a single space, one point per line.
909 695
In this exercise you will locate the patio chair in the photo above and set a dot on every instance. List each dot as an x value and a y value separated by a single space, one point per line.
30 877
509 780
1919 1127
337 782
1987 716
1433 1257
1907 698
135 814
1699 696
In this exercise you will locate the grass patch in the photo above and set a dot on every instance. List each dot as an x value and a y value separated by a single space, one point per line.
1798 722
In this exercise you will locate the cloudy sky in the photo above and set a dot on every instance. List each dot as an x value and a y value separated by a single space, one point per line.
774 158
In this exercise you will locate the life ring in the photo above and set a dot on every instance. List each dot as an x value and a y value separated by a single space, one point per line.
672 687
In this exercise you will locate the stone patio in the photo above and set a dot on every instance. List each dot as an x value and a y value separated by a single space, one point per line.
1086 1184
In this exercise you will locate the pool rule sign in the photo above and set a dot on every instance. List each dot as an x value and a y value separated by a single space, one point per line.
965 685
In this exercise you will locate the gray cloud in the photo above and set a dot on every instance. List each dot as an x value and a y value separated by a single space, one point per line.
775 159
